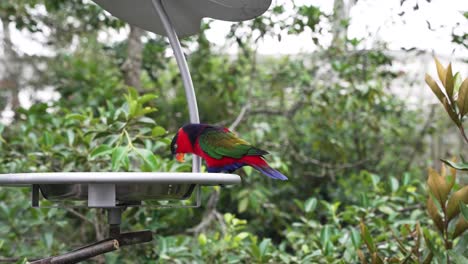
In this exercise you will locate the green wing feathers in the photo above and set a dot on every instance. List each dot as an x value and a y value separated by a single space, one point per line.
219 143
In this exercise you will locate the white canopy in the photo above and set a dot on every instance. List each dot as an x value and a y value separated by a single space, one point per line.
185 15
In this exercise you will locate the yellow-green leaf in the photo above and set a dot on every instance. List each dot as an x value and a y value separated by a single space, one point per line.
435 88
434 214
462 100
457 81
440 71
452 206
158 131
243 204
202 240
449 82
460 227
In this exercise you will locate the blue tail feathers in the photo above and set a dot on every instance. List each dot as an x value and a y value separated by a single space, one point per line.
272 173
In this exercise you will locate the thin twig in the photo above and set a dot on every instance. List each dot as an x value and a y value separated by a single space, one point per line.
462 131
239 118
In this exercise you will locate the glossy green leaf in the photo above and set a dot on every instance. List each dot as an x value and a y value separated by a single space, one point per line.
118 155
158 131
310 205
458 166
464 207
243 204
148 158
101 150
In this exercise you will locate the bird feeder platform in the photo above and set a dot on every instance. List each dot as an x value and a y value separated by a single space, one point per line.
115 189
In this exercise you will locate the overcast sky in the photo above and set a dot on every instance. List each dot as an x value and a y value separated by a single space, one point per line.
371 20
379 19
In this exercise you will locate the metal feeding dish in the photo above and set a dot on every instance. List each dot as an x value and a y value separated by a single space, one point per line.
115 189
185 15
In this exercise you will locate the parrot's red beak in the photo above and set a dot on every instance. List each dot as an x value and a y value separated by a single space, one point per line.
180 157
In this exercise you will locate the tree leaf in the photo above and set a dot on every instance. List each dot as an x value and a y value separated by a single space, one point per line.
118 155
325 235
453 207
460 227
394 185
202 240
459 166
434 214
451 112
457 258
264 246
146 120
355 238
158 131
310 205
148 158
75 117
441 71
435 88
438 186
449 82
457 81
146 98
243 204
464 209
462 100
100 151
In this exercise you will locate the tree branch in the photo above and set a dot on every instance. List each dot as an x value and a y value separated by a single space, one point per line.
239 118
99 248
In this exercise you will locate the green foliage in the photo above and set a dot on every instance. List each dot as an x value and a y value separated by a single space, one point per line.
349 147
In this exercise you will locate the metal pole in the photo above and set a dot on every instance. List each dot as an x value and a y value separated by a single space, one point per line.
114 217
184 70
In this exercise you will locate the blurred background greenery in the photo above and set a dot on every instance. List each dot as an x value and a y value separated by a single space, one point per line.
355 148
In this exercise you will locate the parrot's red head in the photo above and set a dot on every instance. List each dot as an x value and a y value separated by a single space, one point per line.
185 139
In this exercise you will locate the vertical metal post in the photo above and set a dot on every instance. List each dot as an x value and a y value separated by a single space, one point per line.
35 195
114 217
184 70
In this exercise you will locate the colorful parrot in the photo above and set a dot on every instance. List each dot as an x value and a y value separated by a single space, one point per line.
222 150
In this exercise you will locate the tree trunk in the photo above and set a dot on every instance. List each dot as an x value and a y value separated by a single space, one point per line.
132 65
12 69
341 18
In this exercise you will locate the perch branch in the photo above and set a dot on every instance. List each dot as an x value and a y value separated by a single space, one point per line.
98 248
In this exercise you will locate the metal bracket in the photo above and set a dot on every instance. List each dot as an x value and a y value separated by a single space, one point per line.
101 195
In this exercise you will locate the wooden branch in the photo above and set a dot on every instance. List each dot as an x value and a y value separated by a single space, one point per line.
82 254
210 215
98 248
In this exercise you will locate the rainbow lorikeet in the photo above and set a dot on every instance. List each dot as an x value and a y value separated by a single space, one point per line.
222 150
